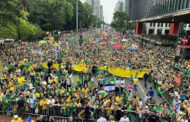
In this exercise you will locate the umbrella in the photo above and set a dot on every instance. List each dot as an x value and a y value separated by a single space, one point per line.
113 43
106 37
93 42
102 43
117 47
132 48
124 40
42 42
117 38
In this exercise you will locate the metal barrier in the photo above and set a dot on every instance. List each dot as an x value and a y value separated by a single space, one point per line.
65 119
58 115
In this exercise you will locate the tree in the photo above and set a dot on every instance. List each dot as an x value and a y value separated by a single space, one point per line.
121 21
27 31
9 12
71 24
87 16
24 4
9 31
51 15
96 22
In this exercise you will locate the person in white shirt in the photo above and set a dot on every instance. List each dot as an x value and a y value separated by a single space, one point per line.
68 82
140 103
117 86
31 101
101 119
44 83
124 118
50 103
147 97
122 85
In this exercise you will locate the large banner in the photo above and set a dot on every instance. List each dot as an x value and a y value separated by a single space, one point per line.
127 72
80 68
114 71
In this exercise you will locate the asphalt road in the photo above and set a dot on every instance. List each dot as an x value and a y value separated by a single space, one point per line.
141 90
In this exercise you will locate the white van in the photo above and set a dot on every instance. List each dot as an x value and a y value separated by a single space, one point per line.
9 40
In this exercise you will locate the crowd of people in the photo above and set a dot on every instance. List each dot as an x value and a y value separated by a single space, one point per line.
35 79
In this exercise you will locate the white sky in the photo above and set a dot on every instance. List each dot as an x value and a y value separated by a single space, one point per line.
108 7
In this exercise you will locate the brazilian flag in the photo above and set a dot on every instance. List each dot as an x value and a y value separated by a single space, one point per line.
131 79
161 90
113 80
11 66
37 74
70 90
6 105
86 78
79 80
63 54
126 92
21 67
58 75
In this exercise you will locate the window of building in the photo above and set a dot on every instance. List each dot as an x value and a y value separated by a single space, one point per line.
151 31
167 32
159 32
150 24
158 24
153 24
168 25
161 24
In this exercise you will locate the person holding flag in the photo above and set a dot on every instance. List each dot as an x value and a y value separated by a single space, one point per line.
79 81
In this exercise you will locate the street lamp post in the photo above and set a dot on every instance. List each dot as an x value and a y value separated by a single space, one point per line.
77 22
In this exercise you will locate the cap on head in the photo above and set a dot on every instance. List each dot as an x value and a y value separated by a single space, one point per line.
15 116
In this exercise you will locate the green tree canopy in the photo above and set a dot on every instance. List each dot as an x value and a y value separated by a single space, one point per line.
121 21
51 14
9 12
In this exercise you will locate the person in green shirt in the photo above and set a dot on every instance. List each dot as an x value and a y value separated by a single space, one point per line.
63 108
86 81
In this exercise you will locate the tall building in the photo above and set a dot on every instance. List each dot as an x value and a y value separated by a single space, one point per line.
97 8
101 13
119 6
126 6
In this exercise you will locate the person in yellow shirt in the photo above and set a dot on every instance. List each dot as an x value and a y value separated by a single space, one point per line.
16 119
118 99
43 104
135 100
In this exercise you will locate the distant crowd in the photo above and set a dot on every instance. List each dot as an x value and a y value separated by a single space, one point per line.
34 79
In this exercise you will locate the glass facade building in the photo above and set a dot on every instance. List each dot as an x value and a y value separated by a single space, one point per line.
140 9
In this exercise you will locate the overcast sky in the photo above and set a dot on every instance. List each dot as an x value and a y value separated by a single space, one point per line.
108 6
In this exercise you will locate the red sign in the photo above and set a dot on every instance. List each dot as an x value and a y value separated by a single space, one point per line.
184 40
184 46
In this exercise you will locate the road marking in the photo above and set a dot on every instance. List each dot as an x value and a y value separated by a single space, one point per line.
142 90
